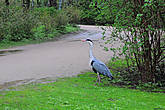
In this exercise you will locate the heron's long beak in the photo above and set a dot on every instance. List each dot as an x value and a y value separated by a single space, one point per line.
83 40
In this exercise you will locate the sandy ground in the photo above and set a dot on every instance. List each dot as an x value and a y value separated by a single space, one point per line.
65 57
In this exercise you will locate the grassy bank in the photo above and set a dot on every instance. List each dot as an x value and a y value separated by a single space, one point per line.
9 44
19 27
79 93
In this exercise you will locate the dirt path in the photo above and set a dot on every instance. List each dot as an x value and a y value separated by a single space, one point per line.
66 57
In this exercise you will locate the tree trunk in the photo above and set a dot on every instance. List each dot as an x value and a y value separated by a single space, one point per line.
38 3
28 4
32 3
55 3
60 4
69 2
7 2
23 3
52 3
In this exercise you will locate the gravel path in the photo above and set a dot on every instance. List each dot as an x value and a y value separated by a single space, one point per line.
65 57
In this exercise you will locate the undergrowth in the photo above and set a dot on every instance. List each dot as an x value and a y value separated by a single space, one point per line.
131 77
39 36
42 23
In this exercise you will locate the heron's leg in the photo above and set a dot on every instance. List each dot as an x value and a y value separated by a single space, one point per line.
98 78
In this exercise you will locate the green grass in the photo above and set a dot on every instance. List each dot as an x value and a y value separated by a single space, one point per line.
79 93
9 44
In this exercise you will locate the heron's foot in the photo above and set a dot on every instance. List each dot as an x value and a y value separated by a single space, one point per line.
98 81
96 84
103 77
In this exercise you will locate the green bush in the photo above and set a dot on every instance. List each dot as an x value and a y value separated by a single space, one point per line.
61 18
88 14
98 12
21 25
46 17
70 28
17 24
73 13
53 34
39 32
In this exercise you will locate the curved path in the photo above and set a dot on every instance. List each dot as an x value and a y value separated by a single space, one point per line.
65 57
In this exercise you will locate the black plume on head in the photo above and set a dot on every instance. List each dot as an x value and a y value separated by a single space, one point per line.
89 40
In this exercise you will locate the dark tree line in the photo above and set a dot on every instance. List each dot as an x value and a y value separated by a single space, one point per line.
27 3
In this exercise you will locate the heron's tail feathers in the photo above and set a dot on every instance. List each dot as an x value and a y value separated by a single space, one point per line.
111 77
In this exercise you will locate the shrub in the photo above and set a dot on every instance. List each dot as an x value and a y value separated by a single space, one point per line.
46 17
39 32
73 13
61 18
98 12
15 24
131 76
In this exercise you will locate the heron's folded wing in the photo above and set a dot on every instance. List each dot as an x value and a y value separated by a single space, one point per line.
101 68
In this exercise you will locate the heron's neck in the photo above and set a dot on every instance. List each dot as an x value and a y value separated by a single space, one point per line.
90 52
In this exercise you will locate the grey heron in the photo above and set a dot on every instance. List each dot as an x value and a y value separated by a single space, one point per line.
97 66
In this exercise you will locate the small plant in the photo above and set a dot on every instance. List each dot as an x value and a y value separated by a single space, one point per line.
70 28
39 32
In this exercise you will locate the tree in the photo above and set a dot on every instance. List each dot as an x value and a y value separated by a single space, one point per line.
32 3
141 21
140 25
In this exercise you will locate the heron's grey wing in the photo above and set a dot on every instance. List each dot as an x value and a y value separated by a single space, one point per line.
101 68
